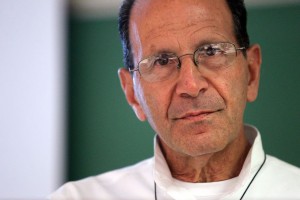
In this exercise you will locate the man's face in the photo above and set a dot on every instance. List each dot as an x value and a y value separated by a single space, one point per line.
200 111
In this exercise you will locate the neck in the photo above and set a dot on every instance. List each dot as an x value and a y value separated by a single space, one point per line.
219 166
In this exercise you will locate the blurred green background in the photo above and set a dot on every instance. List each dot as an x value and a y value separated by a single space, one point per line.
103 132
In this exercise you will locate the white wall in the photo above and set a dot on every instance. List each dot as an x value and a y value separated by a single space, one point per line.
32 88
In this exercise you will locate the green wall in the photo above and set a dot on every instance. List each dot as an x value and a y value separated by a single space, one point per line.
104 133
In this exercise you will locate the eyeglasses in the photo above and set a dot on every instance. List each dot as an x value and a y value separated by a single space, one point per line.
210 56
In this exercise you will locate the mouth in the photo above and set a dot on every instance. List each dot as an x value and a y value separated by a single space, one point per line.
196 116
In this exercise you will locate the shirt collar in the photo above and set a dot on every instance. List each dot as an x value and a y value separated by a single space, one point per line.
253 161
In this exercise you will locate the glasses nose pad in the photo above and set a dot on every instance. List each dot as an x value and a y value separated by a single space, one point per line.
178 66
179 61
195 60
196 63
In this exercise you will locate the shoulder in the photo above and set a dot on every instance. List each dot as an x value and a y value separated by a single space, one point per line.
281 169
141 170
110 184
278 179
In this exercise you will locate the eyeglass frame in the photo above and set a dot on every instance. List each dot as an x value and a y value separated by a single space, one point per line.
193 54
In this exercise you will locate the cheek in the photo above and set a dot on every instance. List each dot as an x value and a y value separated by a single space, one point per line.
155 102
231 85
236 85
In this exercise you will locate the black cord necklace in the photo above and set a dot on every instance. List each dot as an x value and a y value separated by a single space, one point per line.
155 193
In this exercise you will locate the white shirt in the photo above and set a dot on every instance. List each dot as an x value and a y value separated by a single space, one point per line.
275 180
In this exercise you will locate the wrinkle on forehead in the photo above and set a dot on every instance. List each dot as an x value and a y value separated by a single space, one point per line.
153 23
154 19
194 40
173 28
150 15
177 31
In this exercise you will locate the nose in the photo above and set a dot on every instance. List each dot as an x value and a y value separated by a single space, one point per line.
190 81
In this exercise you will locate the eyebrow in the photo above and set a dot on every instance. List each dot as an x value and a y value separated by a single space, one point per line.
197 44
208 41
158 50
159 54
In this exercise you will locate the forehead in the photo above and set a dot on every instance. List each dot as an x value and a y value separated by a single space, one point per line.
154 23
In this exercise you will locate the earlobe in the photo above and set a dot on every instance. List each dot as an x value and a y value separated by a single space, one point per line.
128 89
254 64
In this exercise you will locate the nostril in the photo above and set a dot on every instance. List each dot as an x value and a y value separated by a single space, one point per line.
191 82
186 96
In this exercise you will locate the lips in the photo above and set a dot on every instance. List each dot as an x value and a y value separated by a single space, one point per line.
196 115
202 107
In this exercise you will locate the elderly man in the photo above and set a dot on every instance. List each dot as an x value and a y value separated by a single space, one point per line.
190 72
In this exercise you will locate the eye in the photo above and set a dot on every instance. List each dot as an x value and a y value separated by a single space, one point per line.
209 50
162 60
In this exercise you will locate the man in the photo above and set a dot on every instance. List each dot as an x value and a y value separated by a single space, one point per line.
190 72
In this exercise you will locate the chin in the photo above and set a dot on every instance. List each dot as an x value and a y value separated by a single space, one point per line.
201 146
195 152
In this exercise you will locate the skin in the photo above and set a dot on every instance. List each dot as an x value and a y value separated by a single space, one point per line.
198 115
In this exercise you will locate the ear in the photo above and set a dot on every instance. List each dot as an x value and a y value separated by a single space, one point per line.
254 64
128 89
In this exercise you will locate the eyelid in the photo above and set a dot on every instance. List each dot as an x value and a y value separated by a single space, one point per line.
210 45
166 53
169 55
199 47
215 46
